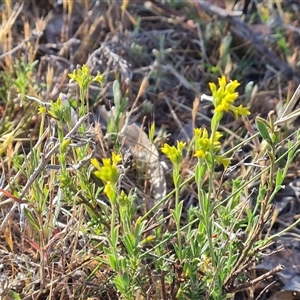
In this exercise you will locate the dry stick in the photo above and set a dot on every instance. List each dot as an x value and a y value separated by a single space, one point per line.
245 285
292 103
24 42
250 260
168 68
6 25
43 162
142 89
267 287
263 218
57 280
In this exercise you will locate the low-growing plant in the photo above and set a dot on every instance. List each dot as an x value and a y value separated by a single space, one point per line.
19 77
203 256
223 236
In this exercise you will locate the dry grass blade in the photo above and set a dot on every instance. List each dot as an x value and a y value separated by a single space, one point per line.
6 27
288 116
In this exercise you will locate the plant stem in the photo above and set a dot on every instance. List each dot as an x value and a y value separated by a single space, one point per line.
113 219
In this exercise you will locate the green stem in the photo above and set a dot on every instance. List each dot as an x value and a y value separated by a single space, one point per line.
164 199
178 218
113 219
210 209
41 132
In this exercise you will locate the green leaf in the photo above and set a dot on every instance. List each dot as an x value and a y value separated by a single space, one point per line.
177 212
205 203
262 126
210 160
120 284
248 91
179 208
117 94
177 250
266 123
64 145
13 295
107 251
31 219
123 263
152 132
113 262
271 155
200 172
139 227
279 177
115 237
173 212
129 243
123 105
73 103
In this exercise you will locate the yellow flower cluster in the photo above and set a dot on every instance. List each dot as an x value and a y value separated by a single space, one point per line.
84 78
225 96
223 99
174 153
204 143
108 173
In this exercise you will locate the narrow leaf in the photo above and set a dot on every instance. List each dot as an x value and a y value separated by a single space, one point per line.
263 130
117 95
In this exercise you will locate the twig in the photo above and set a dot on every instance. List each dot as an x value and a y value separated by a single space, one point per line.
245 285
24 42
265 289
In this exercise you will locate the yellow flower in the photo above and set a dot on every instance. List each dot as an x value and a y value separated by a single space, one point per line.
109 171
223 161
110 191
203 142
225 96
174 153
240 111
200 153
217 136
84 78
116 158
109 174
95 163
42 110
